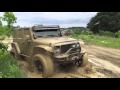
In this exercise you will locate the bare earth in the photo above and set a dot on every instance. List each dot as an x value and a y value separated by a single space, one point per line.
103 63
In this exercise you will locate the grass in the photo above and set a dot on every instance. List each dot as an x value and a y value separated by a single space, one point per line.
110 42
9 67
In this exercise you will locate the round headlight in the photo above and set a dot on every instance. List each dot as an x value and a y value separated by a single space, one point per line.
73 46
77 45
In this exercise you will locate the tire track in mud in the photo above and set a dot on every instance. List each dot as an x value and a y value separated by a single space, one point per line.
106 54
105 67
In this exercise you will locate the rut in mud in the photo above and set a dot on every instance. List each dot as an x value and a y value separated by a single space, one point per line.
103 63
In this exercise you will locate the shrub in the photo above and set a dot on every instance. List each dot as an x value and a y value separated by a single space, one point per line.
107 33
8 66
117 34
87 33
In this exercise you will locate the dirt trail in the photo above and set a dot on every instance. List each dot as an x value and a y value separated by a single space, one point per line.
103 63
105 60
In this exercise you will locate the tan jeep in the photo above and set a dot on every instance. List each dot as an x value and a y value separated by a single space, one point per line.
44 46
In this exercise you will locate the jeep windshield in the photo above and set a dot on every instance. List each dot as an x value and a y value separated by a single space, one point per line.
47 33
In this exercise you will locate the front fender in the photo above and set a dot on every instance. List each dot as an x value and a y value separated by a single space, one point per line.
42 49
46 48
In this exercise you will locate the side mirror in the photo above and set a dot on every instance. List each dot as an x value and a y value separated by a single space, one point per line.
26 37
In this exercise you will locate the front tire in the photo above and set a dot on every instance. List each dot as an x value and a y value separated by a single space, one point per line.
83 61
44 64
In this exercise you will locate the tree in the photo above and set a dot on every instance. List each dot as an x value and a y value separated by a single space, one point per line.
105 21
10 19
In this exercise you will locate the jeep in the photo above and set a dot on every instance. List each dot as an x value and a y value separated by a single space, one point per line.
45 46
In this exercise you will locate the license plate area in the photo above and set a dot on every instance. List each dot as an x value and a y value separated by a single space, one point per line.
73 57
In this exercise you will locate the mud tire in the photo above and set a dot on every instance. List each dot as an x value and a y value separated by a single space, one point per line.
84 60
47 64
14 53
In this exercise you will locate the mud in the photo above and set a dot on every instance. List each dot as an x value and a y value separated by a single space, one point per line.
103 63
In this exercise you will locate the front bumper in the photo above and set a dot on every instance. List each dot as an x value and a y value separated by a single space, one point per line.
68 58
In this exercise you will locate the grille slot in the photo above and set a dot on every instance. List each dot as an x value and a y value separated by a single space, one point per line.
65 48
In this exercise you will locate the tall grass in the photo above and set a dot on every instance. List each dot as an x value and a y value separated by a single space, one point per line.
111 42
9 67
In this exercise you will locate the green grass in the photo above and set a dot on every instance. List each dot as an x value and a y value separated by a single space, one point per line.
100 40
9 67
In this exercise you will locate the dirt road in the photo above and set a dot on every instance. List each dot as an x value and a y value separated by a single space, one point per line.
103 63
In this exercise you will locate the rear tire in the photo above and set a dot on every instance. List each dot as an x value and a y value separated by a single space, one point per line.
45 63
14 53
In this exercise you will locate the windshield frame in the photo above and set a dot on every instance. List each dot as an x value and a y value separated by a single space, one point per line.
45 30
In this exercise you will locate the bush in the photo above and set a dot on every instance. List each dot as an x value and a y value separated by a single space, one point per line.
8 66
75 31
117 34
3 47
106 33
87 33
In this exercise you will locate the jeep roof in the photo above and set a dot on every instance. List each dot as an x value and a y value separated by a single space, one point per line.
39 27
50 27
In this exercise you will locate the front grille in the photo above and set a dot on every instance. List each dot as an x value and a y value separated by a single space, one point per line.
65 48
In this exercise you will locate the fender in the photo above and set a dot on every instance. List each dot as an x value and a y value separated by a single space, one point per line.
47 48
15 45
42 48
83 51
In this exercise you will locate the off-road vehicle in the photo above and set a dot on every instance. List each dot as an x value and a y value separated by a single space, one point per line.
44 46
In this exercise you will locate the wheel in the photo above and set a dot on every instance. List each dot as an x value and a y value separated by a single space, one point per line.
14 54
83 61
44 64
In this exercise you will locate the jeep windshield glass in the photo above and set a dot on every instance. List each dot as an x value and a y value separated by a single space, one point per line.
47 33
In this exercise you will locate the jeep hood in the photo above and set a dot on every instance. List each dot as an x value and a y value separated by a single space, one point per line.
54 40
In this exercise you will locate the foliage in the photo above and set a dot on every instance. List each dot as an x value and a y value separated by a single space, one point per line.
99 40
3 47
105 21
87 33
10 19
117 34
6 30
78 30
107 33
9 67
